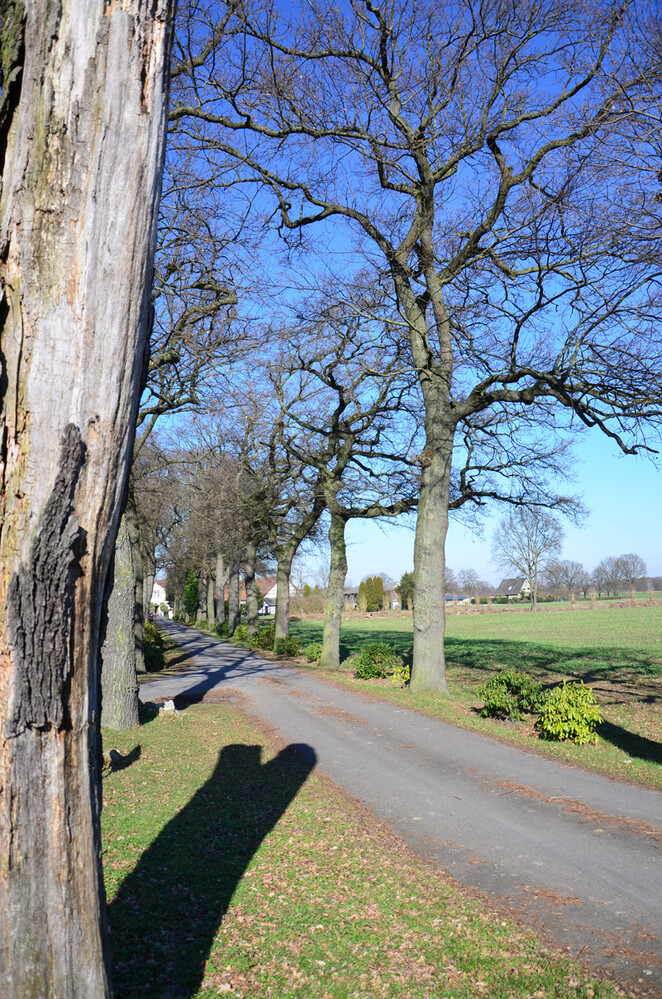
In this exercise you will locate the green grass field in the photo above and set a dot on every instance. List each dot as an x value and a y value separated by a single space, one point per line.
616 650
232 870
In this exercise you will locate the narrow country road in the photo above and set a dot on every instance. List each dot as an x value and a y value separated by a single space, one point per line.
574 855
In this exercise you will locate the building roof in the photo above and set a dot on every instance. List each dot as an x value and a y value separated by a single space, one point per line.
511 587
263 585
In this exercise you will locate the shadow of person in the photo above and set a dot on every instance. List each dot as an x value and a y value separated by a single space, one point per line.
167 911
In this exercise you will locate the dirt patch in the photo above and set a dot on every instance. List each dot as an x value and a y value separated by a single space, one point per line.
342 715
586 812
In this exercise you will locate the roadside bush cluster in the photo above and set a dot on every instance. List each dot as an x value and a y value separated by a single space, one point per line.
240 633
510 694
376 661
222 629
313 652
264 638
153 648
289 646
570 712
401 675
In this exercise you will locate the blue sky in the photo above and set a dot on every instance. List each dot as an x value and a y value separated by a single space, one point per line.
623 494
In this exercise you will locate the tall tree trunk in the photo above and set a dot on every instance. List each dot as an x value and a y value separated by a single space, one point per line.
221 577
335 594
149 569
252 592
202 598
119 685
234 600
138 623
283 573
429 665
82 116
178 610
211 612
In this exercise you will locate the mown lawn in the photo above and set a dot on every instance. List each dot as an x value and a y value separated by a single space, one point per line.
232 869
616 650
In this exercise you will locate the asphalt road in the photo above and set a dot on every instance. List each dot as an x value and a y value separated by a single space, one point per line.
574 855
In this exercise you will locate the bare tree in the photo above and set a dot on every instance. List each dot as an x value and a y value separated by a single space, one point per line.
82 112
523 541
495 162
632 568
566 576
608 576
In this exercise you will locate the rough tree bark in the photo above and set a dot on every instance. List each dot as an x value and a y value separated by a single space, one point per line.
283 574
82 115
211 611
252 592
335 593
119 687
221 577
234 600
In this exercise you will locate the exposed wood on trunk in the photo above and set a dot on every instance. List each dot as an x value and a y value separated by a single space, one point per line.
81 144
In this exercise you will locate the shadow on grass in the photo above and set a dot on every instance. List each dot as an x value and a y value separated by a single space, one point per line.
166 913
590 664
633 745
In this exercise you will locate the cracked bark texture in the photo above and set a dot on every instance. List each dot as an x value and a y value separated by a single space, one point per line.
82 115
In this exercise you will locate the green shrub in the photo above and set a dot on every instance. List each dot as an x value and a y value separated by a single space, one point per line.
510 694
152 634
222 629
401 675
375 661
154 656
240 633
203 625
264 638
570 712
313 652
289 646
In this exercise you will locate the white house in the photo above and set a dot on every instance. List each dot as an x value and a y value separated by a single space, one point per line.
159 597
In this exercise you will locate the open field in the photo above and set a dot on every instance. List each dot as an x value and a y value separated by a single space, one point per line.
231 869
617 650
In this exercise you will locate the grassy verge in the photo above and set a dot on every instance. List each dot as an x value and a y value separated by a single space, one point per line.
231 869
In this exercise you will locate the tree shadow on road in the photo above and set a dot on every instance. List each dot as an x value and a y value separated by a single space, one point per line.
166 913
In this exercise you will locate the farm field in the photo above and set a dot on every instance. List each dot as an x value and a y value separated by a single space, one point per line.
615 650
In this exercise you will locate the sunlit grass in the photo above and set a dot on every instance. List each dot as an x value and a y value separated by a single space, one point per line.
230 869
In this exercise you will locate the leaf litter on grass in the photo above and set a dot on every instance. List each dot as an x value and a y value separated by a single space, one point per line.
329 903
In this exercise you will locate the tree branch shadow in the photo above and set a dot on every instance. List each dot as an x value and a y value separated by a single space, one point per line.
167 911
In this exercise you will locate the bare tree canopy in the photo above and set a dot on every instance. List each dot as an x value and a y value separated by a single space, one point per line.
497 164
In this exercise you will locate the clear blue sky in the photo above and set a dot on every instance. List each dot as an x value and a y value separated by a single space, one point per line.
623 494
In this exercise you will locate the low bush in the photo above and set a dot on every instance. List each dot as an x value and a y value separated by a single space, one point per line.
222 629
152 634
289 646
510 694
570 712
313 652
264 638
240 633
203 625
401 675
153 651
375 661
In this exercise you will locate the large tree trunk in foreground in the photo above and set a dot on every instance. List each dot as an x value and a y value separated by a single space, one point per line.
429 664
335 594
82 115
119 685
